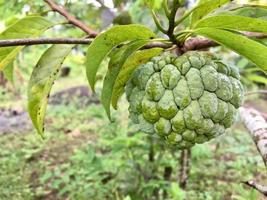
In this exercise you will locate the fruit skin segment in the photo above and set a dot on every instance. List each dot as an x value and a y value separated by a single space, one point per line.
184 100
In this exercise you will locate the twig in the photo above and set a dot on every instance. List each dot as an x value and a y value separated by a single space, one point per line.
256 92
40 41
185 167
262 189
27 42
71 19
257 126
191 44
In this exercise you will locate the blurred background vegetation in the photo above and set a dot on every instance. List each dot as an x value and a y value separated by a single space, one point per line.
84 156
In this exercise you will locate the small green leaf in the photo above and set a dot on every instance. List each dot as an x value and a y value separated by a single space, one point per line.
255 11
105 42
204 9
257 78
41 81
9 72
127 69
234 22
27 27
117 60
252 50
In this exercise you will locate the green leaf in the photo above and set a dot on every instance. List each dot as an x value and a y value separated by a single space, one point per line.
105 42
252 50
133 61
118 58
204 9
257 78
202 1
9 72
41 81
255 11
234 22
27 27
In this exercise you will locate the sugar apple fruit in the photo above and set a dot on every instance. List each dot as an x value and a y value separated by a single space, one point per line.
184 100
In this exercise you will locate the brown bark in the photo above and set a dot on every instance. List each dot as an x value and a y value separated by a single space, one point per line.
185 167
257 126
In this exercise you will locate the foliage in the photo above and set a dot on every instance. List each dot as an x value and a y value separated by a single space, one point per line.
25 28
204 20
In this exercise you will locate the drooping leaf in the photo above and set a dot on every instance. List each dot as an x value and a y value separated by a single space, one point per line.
116 62
27 27
9 72
105 42
41 81
252 50
234 22
205 8
127 69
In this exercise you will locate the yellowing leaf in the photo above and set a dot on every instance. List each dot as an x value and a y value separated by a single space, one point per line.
41 81
27 27
9 72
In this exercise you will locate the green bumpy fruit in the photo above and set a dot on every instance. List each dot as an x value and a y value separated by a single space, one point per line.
184 100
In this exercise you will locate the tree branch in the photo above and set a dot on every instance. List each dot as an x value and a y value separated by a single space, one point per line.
197 44
257 126
262 189
191 44
38 41
71 19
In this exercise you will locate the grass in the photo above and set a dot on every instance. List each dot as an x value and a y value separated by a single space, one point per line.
84 156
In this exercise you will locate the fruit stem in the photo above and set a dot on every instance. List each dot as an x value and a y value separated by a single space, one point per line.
171 28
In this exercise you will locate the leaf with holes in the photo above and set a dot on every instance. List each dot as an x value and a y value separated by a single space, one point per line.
105 42
41 81
135 60
242 45
117 59
234 22
27 27
204 9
